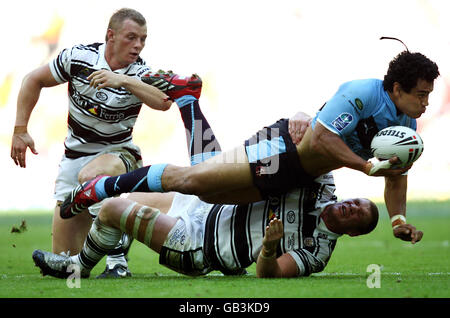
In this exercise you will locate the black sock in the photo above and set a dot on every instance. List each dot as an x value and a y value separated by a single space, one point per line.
201 141
134 181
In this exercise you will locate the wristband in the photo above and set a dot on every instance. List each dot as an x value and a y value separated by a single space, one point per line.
20 129
385 164
273 256
397 220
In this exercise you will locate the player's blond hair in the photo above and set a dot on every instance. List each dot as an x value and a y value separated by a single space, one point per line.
116 20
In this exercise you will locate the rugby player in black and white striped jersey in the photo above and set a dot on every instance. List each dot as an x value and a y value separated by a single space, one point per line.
288 236
105 96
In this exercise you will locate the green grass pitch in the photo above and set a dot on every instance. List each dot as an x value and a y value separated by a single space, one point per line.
417 271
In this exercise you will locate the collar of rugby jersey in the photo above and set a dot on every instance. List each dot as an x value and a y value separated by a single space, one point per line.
102 64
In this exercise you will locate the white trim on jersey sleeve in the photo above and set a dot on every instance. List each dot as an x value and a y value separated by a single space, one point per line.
329 128
65 59
313 263
55 73
300 266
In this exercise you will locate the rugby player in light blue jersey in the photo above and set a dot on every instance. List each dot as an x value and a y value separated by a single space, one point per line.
280 157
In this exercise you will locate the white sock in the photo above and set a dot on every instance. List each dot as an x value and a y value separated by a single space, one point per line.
100 241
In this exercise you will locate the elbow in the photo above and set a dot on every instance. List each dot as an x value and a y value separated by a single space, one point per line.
34 78
269 275
165 105
263 275
31 79
264 272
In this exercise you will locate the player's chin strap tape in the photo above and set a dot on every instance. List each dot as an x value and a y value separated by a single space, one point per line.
385 164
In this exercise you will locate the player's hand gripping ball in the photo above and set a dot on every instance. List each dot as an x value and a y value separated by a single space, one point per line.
400 141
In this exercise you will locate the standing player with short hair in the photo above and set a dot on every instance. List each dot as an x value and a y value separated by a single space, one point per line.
105 94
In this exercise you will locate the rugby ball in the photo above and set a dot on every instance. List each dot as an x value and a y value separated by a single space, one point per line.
400 141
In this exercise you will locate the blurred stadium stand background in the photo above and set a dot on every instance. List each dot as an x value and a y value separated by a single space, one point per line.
259 60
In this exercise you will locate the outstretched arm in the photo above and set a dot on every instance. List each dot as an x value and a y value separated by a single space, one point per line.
333 148
267 264
28 96
395 199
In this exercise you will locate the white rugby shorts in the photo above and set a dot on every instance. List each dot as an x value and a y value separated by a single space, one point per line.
182 250
69 169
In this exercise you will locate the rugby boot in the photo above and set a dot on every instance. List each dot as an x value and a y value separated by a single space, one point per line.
118 271
56 265
81 197
173 85
118 268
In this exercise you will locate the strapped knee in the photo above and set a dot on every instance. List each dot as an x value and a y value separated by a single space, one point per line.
139 221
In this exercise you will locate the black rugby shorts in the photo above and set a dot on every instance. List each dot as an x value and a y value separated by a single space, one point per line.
274 162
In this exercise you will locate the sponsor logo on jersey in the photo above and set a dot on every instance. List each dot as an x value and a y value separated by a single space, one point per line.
274 208
342 121
85 72
178 236
122 99
353 105
261 170
272 215
143 71
359 103
111 115
291 241
308 242
290 217
93 110
96 109
101 96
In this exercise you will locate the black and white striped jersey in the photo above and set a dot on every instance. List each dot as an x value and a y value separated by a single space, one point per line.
97 118
234 233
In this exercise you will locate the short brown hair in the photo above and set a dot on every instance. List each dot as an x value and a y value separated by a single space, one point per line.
121 15
367 228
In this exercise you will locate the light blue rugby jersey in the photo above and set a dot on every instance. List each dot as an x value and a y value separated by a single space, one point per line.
357 111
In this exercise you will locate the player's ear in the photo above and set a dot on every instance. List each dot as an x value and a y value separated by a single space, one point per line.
353 233
396 89
109 34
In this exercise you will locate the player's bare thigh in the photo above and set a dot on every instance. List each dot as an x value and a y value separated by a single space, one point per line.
108 164
224 173
160 201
